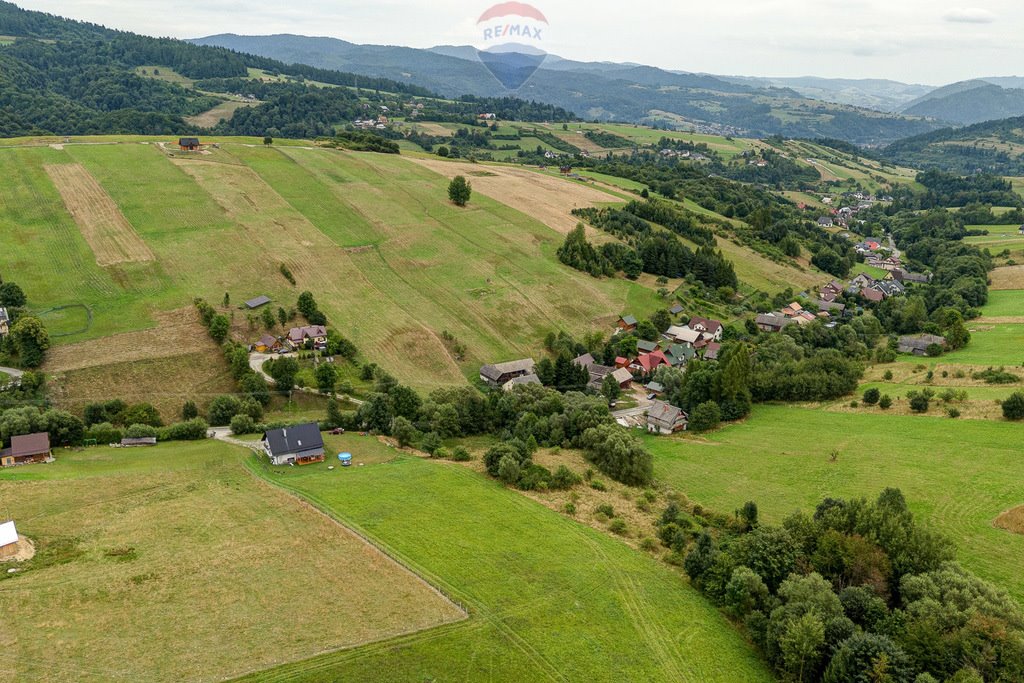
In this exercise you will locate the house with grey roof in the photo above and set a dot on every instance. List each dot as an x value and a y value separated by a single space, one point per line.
296 445
498 375
665 418
918 344
5 322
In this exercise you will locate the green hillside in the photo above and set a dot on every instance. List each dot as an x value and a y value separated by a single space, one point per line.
389 259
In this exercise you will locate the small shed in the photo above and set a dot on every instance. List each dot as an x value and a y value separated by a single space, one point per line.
8 540
261 300
138 441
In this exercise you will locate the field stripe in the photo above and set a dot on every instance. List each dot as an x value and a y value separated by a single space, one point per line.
104 227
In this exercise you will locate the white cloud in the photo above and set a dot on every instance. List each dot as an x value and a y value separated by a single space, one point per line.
969 15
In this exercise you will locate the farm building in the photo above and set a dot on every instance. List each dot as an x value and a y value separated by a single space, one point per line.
712 350
5 322
918 345
771 322
8 540
644 346
136 441
316 335
499 374
27 449
296 445
676 310
188 144
664 418
627 323
261 300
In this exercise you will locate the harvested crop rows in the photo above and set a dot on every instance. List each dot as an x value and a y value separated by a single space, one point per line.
104 227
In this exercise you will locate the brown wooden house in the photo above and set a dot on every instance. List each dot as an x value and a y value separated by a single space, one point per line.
188 144
27 449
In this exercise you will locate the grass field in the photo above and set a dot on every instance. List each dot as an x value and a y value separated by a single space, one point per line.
175 563
991 344
1004 303
211 117
549 598
389 259
779 458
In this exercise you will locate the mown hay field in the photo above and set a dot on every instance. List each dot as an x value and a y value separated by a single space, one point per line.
175 563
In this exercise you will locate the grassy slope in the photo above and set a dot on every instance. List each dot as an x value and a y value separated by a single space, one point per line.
780 458
550 599
174 563
486 273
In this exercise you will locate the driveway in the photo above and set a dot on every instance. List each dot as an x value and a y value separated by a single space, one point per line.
12 372
224 434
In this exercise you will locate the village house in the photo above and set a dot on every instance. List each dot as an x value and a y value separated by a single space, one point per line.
771 322
5 322
906 277
314 335
889 263
664 418
268 344
8 540
826 222
647 363
188 144
500 374
644 346
712 350
889 288
683 335
27 449
710 329
627 323
679 354
918 344
296 445
862 280
873 295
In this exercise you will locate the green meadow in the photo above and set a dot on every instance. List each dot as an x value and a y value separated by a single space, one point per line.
780 458
549 599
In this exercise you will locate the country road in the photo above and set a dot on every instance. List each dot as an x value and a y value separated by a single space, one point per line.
256 361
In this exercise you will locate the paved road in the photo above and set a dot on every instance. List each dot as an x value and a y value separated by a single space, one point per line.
892 247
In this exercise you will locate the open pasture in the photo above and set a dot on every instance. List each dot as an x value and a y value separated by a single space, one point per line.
549 599
780 458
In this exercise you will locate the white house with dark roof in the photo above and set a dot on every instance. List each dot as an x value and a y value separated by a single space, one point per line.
296 445
5 322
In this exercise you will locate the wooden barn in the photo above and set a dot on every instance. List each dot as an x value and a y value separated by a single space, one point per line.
27 449
188 144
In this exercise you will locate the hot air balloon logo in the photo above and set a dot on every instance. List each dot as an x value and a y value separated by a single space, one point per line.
511 43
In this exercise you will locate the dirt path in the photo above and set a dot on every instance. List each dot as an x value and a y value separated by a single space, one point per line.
548 199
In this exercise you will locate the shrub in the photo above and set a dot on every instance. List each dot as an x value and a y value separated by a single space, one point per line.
705 417
618 526
189 410
1013 407
222 409
919 401
508 470
104 432
648 544
243 424
431 442
604 510
442 453
189 430
871 396
885 402
598 485
953 412
460 454
993 376
569 508
887 375
564 478
140 431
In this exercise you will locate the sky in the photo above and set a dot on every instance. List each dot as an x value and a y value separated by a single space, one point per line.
917 41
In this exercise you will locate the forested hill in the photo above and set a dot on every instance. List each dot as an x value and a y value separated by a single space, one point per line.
68 77
993 147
